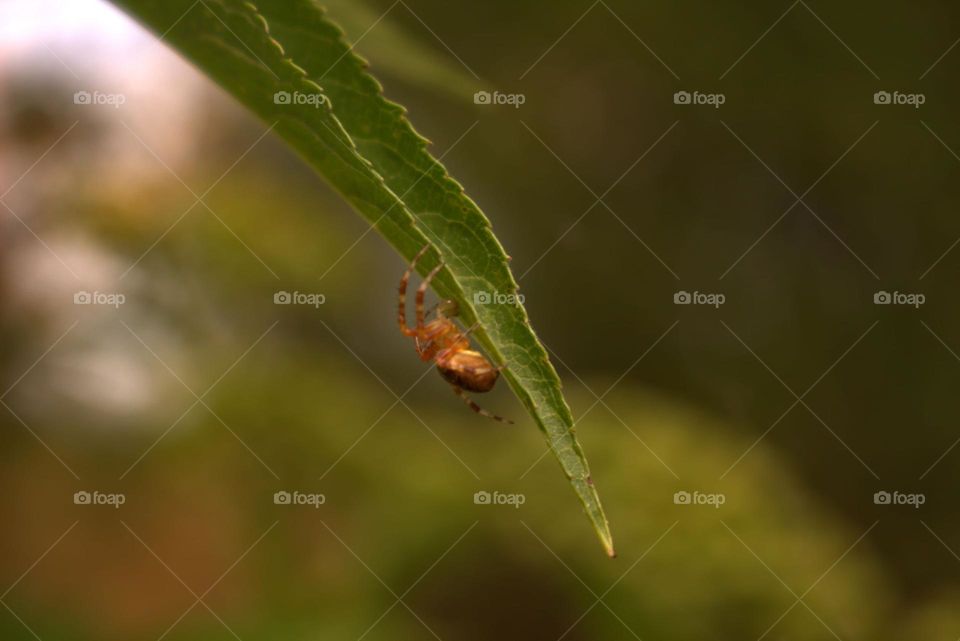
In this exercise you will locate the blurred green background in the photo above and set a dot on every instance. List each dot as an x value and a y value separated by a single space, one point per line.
198 398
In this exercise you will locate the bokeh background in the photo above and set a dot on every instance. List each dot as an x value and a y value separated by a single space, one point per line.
198 398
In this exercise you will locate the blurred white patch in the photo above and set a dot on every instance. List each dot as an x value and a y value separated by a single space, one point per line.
138 112
96 49
99 367
106 378
38 279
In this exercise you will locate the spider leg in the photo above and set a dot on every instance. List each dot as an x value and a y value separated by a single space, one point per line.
470 329
443 308
476 408
402 289
465 334
422 290
436 307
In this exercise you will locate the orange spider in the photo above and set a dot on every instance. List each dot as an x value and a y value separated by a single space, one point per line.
441 341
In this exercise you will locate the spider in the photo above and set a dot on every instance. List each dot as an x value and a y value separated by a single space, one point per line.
441 341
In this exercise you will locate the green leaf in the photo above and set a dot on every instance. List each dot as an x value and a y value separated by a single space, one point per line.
398 52
365 147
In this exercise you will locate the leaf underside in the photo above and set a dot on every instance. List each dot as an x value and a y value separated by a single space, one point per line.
365 147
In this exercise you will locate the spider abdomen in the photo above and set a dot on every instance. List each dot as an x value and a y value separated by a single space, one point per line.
469 370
